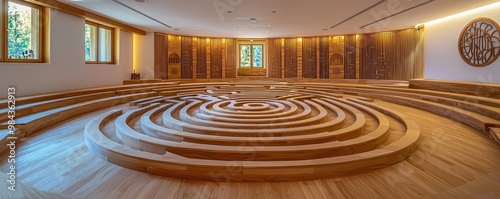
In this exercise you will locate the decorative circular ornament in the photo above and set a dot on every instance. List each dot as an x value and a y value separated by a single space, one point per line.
479 42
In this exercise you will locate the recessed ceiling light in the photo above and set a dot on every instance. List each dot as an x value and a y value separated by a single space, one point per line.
269 25
252 20
267 31
251 39
141 1
239 31
234 25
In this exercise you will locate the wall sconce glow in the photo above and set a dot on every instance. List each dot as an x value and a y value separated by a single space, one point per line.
135 56
493 6
299 39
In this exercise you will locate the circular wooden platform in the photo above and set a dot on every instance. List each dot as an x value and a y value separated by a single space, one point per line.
249 132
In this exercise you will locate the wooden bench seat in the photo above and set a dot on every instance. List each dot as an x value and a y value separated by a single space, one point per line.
4 134
179 88
489 90
237 153
135 102
270 124
27 109
495 134
22 100
345 133
482 109
472 119
292 109
176 124
30 124
183 91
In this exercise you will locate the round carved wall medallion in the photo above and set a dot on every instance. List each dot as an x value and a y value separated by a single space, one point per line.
479 42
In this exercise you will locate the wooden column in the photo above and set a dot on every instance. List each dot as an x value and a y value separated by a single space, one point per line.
317 57
299 57
160 56
174 57
195 56
208 57
223 58
282 58
358 42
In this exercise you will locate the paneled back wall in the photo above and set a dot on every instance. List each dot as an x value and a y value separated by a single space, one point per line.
396 55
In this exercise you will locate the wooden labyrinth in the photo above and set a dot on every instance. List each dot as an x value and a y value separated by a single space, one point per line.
248 132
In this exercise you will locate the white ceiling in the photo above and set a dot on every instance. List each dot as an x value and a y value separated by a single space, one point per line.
291 17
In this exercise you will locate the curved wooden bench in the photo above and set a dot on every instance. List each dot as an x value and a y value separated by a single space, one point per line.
495 134
176 124
479 108
474 120
305 113
346 133
217 107
470 88
32 123
27 109
204 109
216 170
135 102
71 93
270 124
238 153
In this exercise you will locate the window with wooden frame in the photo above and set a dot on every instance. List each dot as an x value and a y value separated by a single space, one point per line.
99 44
22 38
251 56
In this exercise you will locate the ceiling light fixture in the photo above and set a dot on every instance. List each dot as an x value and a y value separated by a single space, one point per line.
252 20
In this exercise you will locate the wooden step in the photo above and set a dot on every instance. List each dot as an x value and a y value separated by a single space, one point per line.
495 134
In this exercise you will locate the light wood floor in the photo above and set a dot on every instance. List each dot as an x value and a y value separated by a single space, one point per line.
453 161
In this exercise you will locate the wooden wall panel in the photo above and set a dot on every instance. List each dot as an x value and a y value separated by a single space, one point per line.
216 58
336 57
174 57
409 54
324 53
350 57
201 59
187 58
230 68
378 56
396 55
274 58
290 58
309 58
299 57
160 56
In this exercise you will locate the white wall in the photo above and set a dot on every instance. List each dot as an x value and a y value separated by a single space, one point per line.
442 59
66 69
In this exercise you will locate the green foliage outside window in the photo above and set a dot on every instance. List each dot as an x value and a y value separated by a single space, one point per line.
19 31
